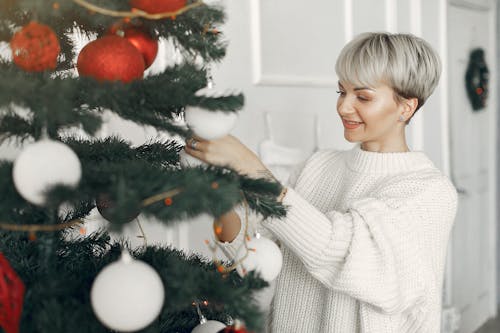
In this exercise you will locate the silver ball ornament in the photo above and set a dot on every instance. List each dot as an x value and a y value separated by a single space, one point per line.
209 326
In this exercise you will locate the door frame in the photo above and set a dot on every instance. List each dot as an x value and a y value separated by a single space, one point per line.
493 55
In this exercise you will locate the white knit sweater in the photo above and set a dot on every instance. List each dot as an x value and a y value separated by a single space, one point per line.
363 243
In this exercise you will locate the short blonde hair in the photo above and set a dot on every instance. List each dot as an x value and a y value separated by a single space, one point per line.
405 62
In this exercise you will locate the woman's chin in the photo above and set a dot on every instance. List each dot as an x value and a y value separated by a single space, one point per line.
351 138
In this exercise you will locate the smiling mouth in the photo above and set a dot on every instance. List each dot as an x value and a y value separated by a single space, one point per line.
351 124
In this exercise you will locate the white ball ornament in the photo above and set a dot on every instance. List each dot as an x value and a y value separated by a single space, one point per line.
264 257
43 164
127 295
210 125
208 326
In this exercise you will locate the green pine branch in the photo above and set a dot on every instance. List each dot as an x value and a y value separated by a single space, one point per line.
56 103
59 300
128 175
58 272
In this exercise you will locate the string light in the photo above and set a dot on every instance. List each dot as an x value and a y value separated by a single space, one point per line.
136 12
166 197
218 230
33 228
159 197
207 28
196 303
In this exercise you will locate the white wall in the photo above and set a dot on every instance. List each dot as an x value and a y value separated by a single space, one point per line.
282 55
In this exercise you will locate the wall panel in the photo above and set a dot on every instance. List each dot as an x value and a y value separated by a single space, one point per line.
368 15
298 41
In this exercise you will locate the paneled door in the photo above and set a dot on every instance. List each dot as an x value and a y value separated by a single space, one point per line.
472 168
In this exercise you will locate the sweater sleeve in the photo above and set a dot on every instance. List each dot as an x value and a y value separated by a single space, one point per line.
374 251
254 220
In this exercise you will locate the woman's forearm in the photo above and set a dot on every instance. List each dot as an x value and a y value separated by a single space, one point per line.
230 152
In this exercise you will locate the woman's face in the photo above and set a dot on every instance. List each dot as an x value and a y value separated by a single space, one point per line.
369 114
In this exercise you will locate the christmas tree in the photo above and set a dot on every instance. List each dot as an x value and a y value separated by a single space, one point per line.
53 98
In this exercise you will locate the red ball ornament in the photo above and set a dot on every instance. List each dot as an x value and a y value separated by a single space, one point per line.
35 47
11 297
158 6
238 327
111 58
146 45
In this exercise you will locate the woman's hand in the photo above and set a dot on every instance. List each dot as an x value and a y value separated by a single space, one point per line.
228 152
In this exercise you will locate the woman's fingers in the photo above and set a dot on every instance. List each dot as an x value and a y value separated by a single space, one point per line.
196 153
197 144
226 151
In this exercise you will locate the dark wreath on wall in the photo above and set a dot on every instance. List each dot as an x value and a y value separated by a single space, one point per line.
476 79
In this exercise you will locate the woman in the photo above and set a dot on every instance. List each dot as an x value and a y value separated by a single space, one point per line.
365 237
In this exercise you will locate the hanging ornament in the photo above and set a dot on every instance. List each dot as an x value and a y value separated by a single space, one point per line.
142 40
206 326
35 48
44 164
263 256
11 297
210 125
238 327
158 6
111 58
209 326
106 207
127 295
476 80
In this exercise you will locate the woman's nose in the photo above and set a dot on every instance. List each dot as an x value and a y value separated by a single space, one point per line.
344 107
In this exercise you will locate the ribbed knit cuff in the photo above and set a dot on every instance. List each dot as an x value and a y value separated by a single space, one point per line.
317 239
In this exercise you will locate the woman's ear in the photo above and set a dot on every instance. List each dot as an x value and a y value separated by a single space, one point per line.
410 106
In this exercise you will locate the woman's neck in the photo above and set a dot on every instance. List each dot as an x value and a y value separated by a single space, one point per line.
389 146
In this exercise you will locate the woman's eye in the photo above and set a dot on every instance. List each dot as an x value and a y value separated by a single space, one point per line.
363 98
341 93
